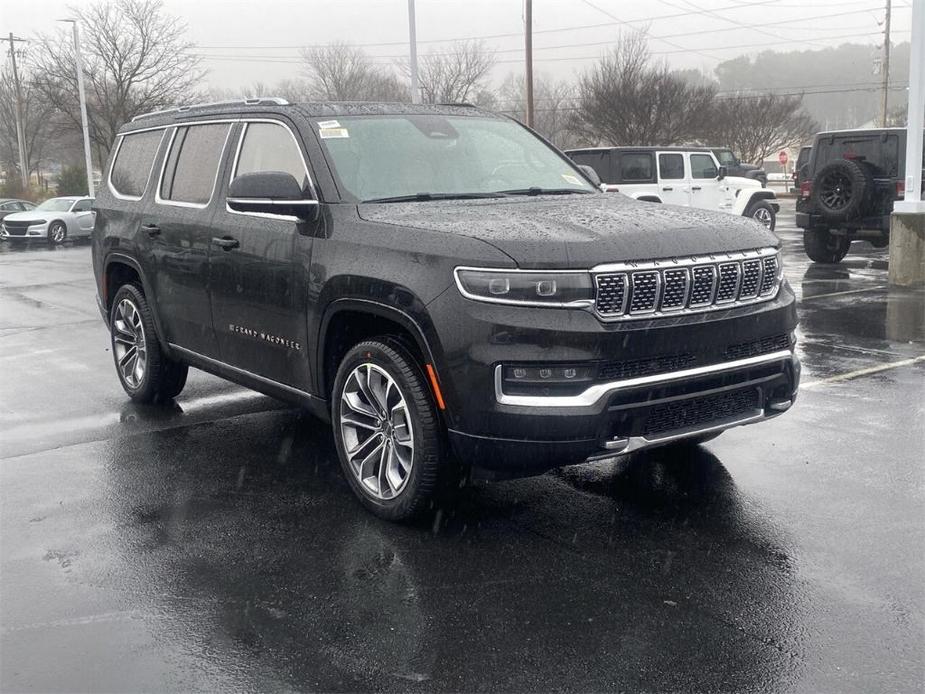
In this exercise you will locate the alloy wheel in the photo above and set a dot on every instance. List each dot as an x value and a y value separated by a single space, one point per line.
58 233
376 430
763 215
835 191
128 339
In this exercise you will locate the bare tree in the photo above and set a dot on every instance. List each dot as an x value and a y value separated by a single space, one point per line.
755 126
38 126
136 59
455 76
341 72
554 111
628 99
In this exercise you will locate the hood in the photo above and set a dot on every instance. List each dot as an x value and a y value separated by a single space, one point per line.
578 231
741 182
748 167
29 216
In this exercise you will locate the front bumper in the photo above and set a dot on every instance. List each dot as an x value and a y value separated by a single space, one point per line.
33 231
713 371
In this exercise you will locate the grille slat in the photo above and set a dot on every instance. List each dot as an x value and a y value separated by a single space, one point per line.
687 285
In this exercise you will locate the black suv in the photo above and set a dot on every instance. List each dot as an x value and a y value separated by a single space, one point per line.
734 167
847 190
444 286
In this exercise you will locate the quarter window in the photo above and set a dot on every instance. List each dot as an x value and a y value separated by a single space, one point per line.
635 167
192 163
132 167
671 166
270 147
703 166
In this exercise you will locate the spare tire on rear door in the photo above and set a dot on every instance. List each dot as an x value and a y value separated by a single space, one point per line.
841 189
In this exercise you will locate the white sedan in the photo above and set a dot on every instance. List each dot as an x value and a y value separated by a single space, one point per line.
54 220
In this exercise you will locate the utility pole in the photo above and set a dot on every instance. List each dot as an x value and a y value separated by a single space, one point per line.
83 106
886 64
20 137
412 38
528 52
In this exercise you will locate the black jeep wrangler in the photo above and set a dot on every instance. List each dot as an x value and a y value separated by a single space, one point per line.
442 285
848 188
735 167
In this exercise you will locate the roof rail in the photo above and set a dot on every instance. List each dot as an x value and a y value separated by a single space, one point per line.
257 101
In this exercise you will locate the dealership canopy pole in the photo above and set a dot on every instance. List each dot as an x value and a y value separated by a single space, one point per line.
20 138
528 53
83 107
912 200
884 99
413 59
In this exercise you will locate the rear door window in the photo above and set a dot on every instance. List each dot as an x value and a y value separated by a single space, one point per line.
703 166
82 206
131 169
671 166
637 167
192 164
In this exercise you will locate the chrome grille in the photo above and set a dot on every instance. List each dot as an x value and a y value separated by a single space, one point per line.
611 294
644 294
685 285
675 293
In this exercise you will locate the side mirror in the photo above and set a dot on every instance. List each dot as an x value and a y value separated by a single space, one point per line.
722 173
591 174
270 192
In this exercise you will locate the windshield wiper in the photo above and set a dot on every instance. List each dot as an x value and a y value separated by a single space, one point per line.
534 190
424 197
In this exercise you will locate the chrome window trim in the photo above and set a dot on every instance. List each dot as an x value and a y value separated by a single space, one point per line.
115 158
180 203
592 395
237 156
580 303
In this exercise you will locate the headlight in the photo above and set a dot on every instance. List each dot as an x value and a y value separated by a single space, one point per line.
526 287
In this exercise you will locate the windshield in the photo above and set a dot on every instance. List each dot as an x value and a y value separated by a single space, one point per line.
378 157
56 205
726 157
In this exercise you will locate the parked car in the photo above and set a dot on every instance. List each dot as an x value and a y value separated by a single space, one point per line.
55 220
686 176
10 205
447 289
852 180
801 168
735 167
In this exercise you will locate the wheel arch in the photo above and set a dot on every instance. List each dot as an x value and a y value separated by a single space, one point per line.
351 320
118 269
745 201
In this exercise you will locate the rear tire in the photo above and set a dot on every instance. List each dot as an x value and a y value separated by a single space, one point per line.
841 190
147 374
824 247
389 438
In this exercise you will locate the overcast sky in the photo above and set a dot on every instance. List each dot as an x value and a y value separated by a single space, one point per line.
245 41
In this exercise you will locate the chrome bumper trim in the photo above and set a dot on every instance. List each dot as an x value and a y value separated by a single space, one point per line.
593 394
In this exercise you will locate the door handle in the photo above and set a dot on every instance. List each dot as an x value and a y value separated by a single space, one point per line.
226 243
667 188
696 188
151 230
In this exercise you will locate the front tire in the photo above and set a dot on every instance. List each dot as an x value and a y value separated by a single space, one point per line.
57 233
147 374
389 438
823 247
764 214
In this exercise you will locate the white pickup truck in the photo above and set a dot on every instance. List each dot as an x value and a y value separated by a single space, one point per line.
689 176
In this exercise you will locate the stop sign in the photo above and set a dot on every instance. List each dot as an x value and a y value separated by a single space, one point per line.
782 157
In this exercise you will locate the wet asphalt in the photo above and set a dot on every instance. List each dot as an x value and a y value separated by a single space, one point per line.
213 545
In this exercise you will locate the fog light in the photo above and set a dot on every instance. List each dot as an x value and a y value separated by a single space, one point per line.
569 373
520 373
545 373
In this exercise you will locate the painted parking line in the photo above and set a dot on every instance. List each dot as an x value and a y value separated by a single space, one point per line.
847 291
861 372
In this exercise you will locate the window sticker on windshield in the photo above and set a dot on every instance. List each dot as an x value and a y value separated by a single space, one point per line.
328 124
328 133
568 178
